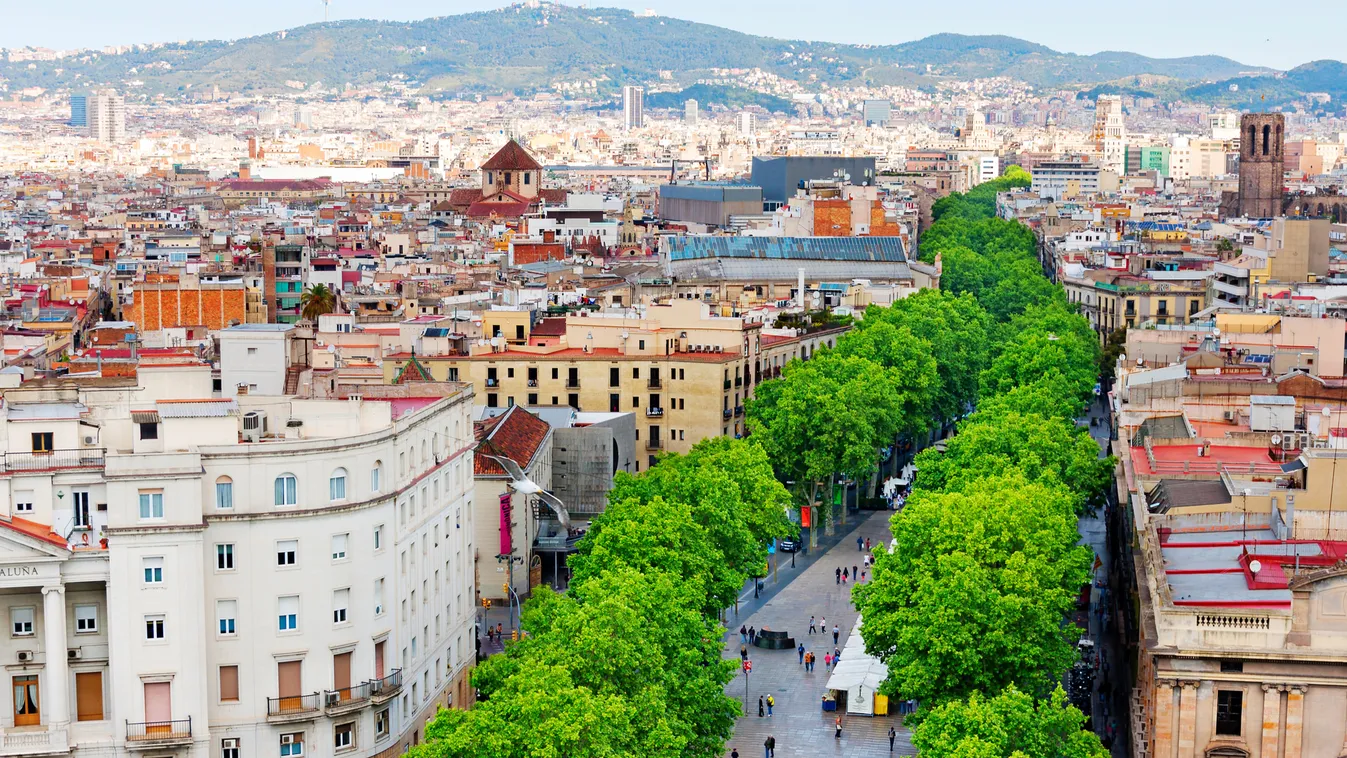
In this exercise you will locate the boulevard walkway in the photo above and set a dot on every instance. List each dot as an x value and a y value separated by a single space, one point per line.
800 726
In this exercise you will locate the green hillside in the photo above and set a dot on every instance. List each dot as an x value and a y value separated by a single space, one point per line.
708 95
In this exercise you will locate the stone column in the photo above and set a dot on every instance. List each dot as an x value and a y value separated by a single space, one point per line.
1295 719
56 688
1272 717
1187 719
1164 719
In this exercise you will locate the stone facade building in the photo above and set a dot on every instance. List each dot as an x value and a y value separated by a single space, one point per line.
1261 160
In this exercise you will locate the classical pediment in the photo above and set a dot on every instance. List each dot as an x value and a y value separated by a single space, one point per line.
20 544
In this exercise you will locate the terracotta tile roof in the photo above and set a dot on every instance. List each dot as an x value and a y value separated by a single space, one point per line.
34 530
515 434
554 196
512 157
483 209
549 327
462 198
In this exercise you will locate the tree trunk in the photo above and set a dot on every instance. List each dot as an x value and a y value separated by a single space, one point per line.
844 503
828 510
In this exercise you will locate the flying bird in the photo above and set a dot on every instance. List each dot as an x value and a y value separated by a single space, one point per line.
525 486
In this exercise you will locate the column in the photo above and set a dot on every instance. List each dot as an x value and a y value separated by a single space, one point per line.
1295 719
1187 719
1164 719
56 688
1272 716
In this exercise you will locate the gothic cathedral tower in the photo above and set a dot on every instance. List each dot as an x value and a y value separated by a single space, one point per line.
1260 164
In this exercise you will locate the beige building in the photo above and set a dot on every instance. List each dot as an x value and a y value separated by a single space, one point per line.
685 372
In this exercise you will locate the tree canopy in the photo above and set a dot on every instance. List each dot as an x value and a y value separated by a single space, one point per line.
1010 724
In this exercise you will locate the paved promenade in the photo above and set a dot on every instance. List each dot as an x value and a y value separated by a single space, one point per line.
800 726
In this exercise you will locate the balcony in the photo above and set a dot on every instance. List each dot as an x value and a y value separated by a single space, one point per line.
37 741
738 382
728 414
384 689
281 710
152 735
492 382
655 383
533 382
346 700
91 457
738 410
654 443
727 384
572 384
654 412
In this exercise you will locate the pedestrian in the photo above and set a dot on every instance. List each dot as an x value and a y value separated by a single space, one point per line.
823 626
854 572
811 624
838 725
867 544
828 661
893 735
770 745
838 573
752 636
862 576
734 753
500 629
859 543
762 709
800 650
808 662
743 633
836 633
743 652
489 632
845 575
771 702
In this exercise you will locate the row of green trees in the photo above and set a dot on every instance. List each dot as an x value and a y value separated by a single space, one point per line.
968 609
629 661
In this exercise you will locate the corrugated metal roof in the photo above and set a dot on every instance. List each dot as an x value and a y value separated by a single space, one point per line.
145 417
45 411
197 408
851 249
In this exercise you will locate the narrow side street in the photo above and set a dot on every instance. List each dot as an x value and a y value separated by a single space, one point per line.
799 724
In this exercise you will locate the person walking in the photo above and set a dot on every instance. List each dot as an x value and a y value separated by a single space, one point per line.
845 575
762 710
743 633
800 650
752 636
854 572
823 626
836 633
893 735
771 703
837 724
827 661
838 573
734 753
769 745
859 543
811 624
867 544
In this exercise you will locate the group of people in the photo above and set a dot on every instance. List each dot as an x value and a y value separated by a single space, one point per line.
808 658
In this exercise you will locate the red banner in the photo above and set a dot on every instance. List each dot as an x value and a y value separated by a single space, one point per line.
506 533
806 516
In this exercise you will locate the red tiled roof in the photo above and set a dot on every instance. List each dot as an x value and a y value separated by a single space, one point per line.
461 198
34 530
554 196
549 327
483 209
512 157
515 434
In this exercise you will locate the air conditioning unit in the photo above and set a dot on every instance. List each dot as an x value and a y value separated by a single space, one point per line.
74 653
254 425
89 440
376 686
1229 416
333 699
287 739
25 656
231 743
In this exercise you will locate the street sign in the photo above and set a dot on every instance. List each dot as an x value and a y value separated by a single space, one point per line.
748 666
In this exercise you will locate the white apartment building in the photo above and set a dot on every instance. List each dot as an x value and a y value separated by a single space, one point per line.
633 107
107 117
219 578
1110 133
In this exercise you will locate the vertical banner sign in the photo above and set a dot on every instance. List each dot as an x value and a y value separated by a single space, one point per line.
806 517
506 534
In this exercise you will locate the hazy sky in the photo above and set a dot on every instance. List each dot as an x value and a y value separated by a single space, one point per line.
1251 31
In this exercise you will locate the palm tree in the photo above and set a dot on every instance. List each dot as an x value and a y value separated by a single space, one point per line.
317 300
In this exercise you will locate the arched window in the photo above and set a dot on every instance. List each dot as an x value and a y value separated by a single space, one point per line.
1267 137
1253 141
336 485
224 493
287 490
1277 146
376 474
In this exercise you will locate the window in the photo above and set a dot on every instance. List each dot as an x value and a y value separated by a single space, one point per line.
86 619
287 490
21 621
287 613
341 599
229 748
151 504
336 485
339 546
224 493
375 475
149 431
23 501
154 627
379 537
378 597
224 557
226 611
343 736
1232 667
287 552
381 723
80 502
1229 711
292 745
42 442
154 570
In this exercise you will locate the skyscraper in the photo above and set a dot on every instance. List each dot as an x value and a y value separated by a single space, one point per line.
79 110
748 123
877 112
633 107
690 113
107 117
1110 135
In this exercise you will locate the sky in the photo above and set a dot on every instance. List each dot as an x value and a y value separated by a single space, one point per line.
1250 31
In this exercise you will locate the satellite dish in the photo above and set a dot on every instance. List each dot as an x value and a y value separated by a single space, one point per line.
1276 439
1255 566
1326 411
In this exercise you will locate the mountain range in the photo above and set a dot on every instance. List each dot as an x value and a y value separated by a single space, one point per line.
529 48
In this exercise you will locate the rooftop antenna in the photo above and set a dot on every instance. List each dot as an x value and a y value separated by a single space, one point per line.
326 3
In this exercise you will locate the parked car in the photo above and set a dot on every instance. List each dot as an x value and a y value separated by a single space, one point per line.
788 545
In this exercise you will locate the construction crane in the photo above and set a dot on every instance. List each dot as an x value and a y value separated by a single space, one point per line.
673 169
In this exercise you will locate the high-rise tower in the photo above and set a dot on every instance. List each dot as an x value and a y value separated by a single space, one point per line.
1262 136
